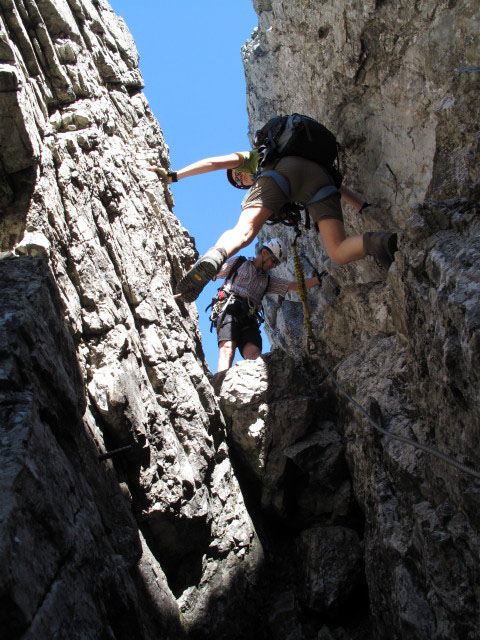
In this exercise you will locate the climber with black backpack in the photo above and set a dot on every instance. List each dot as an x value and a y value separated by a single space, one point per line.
236 308
292 165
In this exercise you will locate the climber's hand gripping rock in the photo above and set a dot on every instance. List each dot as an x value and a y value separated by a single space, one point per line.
165 175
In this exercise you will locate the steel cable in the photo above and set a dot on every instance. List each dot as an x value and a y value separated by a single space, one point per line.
313 350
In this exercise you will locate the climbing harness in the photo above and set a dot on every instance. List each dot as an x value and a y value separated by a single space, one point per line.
219 305
237 305
220 301
312 347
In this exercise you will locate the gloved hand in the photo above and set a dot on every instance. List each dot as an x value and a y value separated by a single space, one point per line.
316 272
165 176
318 275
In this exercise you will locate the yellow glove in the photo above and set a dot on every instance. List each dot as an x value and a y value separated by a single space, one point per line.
165 176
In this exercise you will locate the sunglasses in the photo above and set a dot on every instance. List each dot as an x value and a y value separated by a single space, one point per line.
273 258
237 176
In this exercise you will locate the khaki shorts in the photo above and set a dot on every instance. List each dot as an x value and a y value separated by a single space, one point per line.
305 178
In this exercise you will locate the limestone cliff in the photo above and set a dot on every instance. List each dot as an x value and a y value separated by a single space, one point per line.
275 512
397 83
96 355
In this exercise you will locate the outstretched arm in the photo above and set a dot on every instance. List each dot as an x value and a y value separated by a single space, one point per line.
201 166
309 283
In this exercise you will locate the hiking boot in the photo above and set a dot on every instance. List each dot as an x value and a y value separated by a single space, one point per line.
381 245
193 282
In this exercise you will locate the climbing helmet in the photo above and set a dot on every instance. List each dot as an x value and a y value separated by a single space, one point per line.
234 181
277 248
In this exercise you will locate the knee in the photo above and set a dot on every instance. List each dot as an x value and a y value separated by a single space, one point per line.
337 258
251 352
245 233
250 223
227 348
335 253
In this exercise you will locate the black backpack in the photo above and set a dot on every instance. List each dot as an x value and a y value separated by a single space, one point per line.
297 135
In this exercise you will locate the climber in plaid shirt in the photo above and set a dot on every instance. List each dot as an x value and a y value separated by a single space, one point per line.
235 312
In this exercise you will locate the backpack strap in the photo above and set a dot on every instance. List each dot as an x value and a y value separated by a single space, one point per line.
282 182
232 274
291 212
284 185
323 194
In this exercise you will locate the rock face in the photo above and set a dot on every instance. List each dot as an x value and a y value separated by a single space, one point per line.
290 457
398 88
72 559
348 535
101 357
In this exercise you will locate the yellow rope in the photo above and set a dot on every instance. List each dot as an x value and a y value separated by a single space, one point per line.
302 292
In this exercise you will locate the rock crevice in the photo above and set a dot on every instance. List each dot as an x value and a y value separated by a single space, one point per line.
273 510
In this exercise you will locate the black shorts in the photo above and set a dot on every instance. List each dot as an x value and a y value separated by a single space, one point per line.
240 331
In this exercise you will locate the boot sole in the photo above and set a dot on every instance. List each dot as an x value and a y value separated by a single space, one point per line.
193 282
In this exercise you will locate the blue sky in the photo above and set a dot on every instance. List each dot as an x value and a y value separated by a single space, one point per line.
194 81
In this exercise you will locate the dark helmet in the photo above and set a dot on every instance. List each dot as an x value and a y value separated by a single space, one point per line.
233 182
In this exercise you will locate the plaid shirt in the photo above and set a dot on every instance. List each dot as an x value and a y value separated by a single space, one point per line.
250 283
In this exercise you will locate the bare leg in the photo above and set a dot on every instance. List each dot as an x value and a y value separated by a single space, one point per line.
250 351
249 224
340 249
352 198
247 227
226 354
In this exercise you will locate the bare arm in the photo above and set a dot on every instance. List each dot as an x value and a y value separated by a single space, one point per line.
309 283
208 164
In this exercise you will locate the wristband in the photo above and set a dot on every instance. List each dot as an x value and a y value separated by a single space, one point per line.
172 175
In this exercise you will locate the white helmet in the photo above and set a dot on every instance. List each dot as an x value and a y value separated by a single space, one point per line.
277 247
